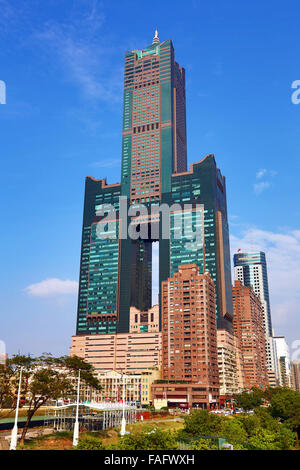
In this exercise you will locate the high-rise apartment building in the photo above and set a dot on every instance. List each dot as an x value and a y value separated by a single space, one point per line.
116 270
283 357
189 330
249 330
230 364
295 375
251 270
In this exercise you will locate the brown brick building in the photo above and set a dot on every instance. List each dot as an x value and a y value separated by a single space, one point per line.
189 339
295 375
249 329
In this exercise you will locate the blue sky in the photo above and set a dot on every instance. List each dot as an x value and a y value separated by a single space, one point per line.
62 61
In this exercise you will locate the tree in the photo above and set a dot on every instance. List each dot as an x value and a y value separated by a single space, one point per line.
233 428
155 439
203 444
264 440
9 381
6 389
249 400
250 423
74 364
285 405
265 432
46 378
286 437
201 423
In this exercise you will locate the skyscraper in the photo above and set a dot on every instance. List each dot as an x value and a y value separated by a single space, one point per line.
116 270
251 270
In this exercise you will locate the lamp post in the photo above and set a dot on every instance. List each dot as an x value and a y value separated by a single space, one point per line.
123 424
14 433
76 425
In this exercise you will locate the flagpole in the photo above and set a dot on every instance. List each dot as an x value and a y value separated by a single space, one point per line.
14 433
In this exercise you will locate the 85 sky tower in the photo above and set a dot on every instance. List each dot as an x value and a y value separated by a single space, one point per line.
116 273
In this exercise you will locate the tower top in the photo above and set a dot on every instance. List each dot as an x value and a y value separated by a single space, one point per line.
156 38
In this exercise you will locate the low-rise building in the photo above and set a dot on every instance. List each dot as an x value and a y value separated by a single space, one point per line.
112 383
130 353
184 395
147 379
137 387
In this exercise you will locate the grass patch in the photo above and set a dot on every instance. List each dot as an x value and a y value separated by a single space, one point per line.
63 440
166 425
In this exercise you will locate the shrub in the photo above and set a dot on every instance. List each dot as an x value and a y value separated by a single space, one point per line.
90 443
204 444
155 439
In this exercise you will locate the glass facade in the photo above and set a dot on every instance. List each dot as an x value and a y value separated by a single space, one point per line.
254 273
99 267
205 186
115 274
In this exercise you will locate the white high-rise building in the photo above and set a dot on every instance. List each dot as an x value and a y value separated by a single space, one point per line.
251 270
284 364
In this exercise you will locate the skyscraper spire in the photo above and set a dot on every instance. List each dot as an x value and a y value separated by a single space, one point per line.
156 38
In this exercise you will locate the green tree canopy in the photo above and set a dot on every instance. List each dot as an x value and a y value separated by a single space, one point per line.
250 399
155 439
201 423
46 378
285 405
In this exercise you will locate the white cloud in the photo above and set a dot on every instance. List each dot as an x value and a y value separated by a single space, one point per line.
261 173
283 258
106 163
260 187
82 55
263 185
52 287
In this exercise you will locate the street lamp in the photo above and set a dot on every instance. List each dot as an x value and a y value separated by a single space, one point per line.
14 433
123 423
76 425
